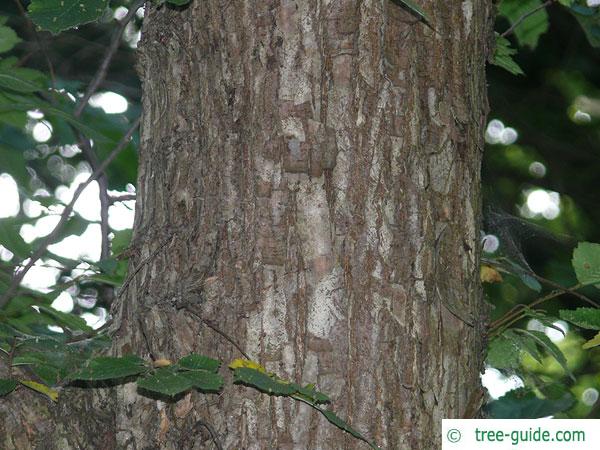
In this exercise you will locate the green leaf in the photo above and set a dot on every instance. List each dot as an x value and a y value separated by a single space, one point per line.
66 320
334 419
530 282
588 318
7 386
542 318
594 342
503 353
546 343
589 19
21 79
199 362
586 263
166 382
59 15
525 343
203 380
528 31
179 2
262 382
107 368
8 38
503 56
524 404
12 240
310 393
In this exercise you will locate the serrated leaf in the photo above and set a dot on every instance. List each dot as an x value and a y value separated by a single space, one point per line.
503 353
588 318
334 419
41 388
586 263
204 380
66 320
503 56
59 15
23 80
199 362
546 343
524 404
543 319
7 386
165 381
594 342
8 38
107 368
524 343
528 31
262 381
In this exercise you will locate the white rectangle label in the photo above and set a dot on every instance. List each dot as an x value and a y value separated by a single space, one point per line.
520 434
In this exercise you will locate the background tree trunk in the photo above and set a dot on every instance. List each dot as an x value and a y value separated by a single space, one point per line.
309 183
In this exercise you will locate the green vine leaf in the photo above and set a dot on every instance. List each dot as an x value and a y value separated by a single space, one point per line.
199 362
7 386
334 419
108 368
164 381
262 381
59 15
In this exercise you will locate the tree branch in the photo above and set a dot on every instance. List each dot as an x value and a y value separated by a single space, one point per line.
108 56
18 276
525 16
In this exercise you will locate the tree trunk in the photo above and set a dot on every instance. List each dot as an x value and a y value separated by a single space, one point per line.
309 183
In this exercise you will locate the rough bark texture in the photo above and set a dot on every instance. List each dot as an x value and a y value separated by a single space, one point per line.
309 182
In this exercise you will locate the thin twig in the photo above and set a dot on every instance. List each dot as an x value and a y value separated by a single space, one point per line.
88 151
525 16
213 327
108 56
511 270
18 276
121 198
211 431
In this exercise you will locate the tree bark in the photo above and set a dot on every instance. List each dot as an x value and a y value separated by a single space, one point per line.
309 184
